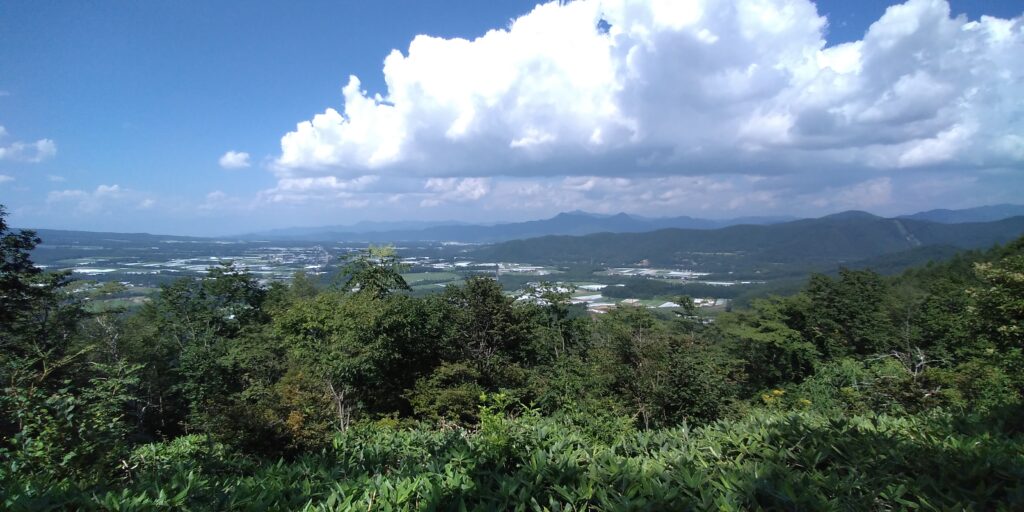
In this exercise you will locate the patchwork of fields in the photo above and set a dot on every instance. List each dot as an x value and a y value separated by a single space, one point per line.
140 263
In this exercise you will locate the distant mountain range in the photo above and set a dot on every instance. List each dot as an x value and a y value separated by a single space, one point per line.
72 237
575 223
844 237
325 232
570 223
979 214
744 249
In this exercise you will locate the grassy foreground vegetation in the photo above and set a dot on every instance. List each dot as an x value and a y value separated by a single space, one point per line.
860 392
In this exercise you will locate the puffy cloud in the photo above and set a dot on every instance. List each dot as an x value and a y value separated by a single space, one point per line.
442 190
234 160
317 188
5 178
690 105
32 152
696 87
108 191
646 195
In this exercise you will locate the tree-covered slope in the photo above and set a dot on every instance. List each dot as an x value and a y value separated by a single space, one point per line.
979 214
859 391
844 237
566 223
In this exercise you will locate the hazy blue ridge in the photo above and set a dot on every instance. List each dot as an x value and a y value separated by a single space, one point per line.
568 223
849 236
579 223
979 214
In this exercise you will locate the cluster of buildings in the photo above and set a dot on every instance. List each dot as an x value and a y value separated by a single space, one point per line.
590 295
685 275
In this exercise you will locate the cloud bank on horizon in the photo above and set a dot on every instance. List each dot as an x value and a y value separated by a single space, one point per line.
710 104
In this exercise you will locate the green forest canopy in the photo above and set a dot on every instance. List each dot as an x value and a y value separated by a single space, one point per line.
860 392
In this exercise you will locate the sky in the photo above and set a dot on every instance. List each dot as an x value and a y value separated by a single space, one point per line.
215 118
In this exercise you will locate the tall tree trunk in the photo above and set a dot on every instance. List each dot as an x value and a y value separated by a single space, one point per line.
342 409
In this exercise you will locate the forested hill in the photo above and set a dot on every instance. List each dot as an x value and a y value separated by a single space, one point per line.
53 237
843 237
568 223
980 214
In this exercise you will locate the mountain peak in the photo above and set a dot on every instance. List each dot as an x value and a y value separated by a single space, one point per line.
851 215
578 213
977 214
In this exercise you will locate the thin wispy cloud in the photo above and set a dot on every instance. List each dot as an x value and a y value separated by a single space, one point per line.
104 198
31 152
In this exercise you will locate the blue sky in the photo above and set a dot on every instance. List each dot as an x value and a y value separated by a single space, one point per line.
121 115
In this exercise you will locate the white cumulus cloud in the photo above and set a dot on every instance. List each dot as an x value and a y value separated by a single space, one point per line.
301 189
234 160
700 88
443 190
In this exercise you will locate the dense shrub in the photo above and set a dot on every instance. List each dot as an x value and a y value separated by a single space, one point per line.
771 460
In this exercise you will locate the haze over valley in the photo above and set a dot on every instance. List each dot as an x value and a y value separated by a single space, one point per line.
744 259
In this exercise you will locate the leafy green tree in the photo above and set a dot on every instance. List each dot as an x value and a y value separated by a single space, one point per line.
702 380
849 315
998 313
490 331
664 377
185 337
688 314
341 341
943 324
235 296
377 271
279 295
563 332
632 349
474 338
38 318
62 411
302 286
451 393
70 428
774 351
17 271
999 302
38 322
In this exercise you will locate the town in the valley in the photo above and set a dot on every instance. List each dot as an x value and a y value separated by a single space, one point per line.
140 267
